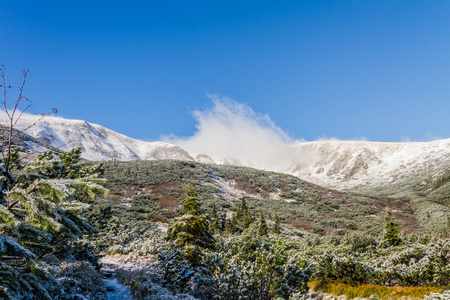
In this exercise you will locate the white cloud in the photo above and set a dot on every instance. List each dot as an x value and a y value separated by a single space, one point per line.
233 132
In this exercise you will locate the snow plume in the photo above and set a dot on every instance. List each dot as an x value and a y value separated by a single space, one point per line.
232 133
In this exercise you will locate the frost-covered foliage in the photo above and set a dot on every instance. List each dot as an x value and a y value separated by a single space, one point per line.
40 206
22 278
145 285
79 278
254 269
359 258
49 202
240 267
191 230
8 246
342 268
132 239
417 265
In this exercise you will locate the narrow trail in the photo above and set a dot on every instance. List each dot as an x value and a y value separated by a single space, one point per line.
114 289
115 264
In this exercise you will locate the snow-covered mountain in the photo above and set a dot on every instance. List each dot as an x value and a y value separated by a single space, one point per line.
350 164
97 142
336 164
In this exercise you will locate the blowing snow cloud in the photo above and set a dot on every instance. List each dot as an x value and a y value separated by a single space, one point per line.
231 132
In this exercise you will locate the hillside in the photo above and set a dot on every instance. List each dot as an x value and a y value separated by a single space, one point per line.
336 232
27 144
155 189
342 165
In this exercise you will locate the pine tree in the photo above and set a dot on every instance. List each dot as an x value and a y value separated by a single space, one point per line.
246 220
223 220
190 204
190 231
229 226
235 223
39 211
243 215
48 197
215 222
391 234
243 208
262 230
276 229
40 205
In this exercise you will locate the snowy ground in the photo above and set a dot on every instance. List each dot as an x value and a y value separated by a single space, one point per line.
116 291
113 264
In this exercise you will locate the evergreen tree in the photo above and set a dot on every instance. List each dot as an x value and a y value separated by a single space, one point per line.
40 205
229 226
391 234
262 230
276 229
190 205
48 196
245 217
190 231
40 213
243 208
215 222
246 220
234 223
223 220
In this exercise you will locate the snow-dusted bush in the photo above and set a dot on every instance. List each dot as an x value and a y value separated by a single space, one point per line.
418 265
267 273
79 278
145 285
40 206
342 268
133 238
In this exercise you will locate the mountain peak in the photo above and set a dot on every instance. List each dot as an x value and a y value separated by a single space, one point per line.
97 142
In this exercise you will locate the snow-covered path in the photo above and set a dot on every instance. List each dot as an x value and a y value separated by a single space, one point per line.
116 291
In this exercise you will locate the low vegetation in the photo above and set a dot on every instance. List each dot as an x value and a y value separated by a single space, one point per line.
42 255
230 232
368 290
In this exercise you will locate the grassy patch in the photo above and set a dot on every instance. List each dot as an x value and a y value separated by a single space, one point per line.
366 290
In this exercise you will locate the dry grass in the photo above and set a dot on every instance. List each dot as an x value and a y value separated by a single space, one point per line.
366 290
301 225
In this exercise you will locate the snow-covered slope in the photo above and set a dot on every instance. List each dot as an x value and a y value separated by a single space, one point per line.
350 164
336 164
97 142
353 164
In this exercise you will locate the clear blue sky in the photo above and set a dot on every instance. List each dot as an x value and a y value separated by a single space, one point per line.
378 70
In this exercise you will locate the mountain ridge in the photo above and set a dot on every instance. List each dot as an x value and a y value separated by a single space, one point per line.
331 163
97 142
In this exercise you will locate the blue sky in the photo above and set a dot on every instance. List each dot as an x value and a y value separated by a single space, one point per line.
378 70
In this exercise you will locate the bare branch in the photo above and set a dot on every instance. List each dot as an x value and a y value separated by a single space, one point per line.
12 204
23 110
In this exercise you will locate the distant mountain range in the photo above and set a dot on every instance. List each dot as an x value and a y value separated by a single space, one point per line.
331 163
97 142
